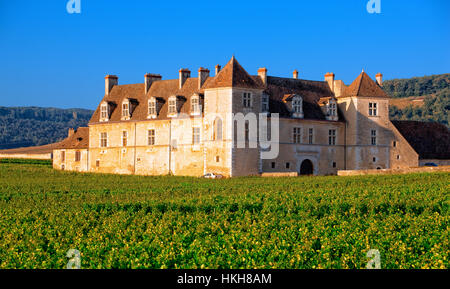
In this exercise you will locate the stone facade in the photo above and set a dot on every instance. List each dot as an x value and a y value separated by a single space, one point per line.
187 127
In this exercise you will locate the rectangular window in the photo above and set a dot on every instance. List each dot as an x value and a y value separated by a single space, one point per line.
310 136
394 144
124 138
288 165
334 164
104 111
97 163
297 135
265 103
273 165
247 99
63 156
77 156
195 106
195 135
333 110
373 111
247 130
103 139
151 137
332 137
152 107
373 134
172 106
125 110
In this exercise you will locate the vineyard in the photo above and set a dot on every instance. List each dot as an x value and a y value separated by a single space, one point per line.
175 222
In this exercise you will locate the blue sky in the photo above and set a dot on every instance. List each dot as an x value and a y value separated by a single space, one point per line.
51 58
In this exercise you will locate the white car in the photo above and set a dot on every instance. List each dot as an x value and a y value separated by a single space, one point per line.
212 176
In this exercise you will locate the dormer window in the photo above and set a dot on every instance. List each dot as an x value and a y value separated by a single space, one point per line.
332 110
125 110
297 106
172 105
104 112
265 103
152 112
195 105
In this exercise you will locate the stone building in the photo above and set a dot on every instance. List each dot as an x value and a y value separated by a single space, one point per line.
189 126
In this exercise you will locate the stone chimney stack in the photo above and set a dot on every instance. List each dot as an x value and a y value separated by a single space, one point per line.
149 79
110 81
184 74
203 74
329 77
262 72
218 67
379 78
295 74
71 132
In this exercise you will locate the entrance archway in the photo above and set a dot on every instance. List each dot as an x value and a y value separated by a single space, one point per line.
306 168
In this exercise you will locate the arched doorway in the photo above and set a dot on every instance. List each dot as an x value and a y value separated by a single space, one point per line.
306 168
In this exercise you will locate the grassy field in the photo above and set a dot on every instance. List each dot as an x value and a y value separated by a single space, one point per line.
175 222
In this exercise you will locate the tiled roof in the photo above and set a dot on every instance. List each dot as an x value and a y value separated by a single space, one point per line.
234 75
364 86
45 149
78 140
430 140
310 91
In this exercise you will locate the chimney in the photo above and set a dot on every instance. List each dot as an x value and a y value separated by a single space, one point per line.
110 81
218 67
379 78
71 132
295 74
262 72
203 74
149 79
184 74
329 77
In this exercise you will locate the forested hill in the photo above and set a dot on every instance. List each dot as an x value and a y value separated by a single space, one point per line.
32 126
432 93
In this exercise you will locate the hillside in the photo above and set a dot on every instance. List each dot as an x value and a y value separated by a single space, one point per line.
420 98
34 126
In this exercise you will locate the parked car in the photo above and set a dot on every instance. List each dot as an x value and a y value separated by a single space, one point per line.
212 176
430 165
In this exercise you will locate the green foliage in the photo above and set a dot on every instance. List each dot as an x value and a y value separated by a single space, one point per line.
32 126
119 221
436 108
417 86
27 161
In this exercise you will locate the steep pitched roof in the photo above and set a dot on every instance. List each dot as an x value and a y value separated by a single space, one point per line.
234 75
430 140
364 86
161 89
78 140
310 91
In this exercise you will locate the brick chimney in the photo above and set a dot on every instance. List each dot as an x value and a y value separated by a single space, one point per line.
218 67
262 72
329 77
184 74
203 74
110 81
295 74
149 79
379 78
71 132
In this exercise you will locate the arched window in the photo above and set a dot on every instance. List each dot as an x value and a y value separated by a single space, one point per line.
297 106
195 104
218 128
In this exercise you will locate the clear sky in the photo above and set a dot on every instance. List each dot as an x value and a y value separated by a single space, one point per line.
51 58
